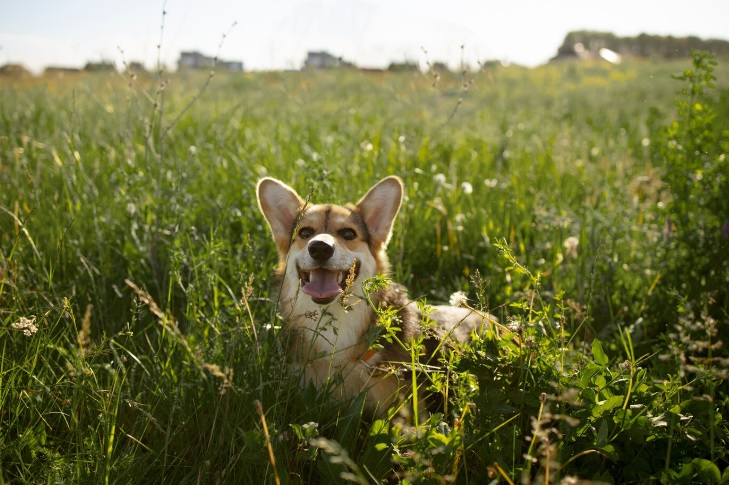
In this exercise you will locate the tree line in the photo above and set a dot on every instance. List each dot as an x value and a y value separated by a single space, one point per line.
643 45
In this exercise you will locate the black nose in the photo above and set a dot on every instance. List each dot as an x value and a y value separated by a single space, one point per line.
320 251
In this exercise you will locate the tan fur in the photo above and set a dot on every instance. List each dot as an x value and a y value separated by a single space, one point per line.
329 333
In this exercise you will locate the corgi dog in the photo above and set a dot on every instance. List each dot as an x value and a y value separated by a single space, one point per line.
327 254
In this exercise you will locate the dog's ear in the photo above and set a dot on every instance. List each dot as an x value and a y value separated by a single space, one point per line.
380 206
280 205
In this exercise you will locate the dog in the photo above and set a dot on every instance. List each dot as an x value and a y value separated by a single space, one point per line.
327 255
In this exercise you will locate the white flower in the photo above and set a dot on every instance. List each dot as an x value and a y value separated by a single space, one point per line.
467 188
27 325
491 183
439 179
570 244
513 324
459 298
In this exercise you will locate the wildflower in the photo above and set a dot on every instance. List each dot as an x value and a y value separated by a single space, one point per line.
491 183
467 188
513 324
439 179
27 325
570 244
459 298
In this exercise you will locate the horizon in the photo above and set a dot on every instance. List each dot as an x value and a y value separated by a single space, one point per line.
369 34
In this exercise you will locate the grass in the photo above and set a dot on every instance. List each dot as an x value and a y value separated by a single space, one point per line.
130 237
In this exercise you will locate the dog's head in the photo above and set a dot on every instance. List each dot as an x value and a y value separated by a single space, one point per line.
331 247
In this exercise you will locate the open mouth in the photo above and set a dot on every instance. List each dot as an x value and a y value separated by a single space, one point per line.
325 285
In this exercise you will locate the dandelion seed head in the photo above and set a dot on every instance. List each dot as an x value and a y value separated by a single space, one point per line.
459 299
439 179
570 244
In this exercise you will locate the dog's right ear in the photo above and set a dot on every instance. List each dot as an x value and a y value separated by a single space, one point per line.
280 205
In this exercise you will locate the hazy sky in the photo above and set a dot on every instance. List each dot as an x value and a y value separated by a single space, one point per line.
274 34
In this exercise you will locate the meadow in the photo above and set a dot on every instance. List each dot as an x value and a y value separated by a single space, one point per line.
583 204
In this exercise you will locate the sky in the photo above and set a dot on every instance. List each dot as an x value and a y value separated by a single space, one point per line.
276 34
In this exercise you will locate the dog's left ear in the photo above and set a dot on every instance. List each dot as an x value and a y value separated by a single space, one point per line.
380 206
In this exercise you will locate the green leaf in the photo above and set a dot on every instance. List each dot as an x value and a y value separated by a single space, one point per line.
607 405
725 476
599 354
706 470
610 450
602 434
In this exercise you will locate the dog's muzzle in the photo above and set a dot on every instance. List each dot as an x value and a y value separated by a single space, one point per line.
323 284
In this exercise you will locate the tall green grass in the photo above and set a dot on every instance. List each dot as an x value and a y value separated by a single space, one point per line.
130 237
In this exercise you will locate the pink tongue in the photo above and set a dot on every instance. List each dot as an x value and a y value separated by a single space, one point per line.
322 284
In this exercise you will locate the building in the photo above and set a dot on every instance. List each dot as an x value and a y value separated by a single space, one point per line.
324 60
194 60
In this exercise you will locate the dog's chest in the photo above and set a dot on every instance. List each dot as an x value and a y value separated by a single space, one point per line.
334 331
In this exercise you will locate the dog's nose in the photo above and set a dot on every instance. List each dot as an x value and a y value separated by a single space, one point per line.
320 250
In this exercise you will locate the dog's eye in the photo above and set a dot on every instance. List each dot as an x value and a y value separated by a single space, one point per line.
347 234
306 232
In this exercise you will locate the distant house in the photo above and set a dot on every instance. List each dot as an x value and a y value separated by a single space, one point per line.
324 60
320 60
232 66
194 60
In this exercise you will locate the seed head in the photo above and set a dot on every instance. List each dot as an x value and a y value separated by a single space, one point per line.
459 299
